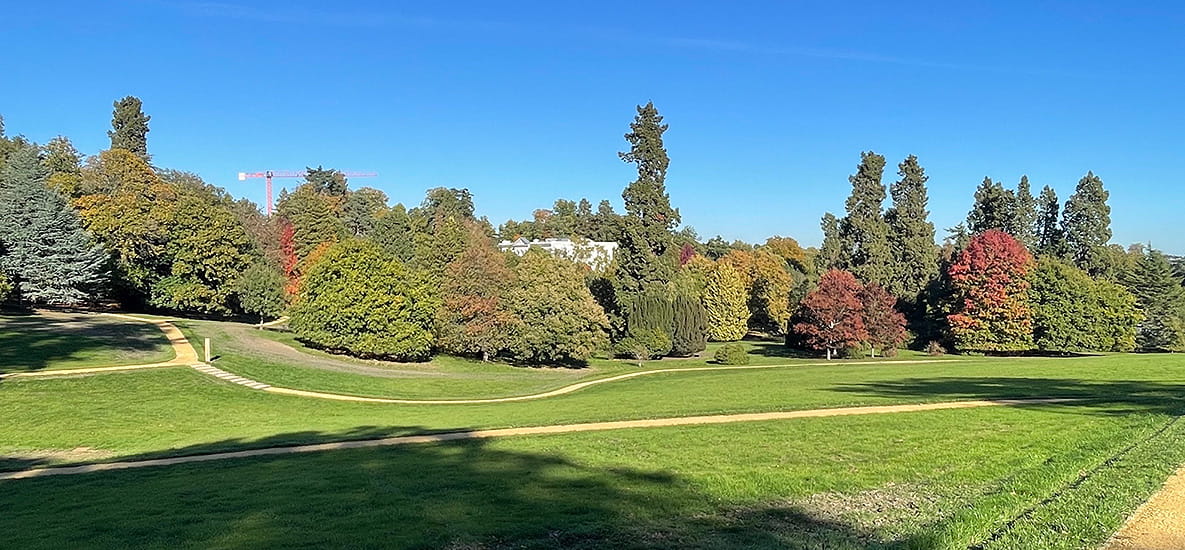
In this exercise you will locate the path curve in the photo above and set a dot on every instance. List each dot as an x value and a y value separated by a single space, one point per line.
533 430
254 384
183 351
1159 523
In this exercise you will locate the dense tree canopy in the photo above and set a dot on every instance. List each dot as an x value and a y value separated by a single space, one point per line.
990 279
560 322
831 317
1086 222
1073 312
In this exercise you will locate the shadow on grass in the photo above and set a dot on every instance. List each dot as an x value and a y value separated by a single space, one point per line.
471 494
1109 396
30 342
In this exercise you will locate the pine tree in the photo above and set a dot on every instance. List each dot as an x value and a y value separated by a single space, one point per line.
831 253
994 208
863 233
1050 240
642 256
327 181
911 234
48 257
1162 299
129 127
1024 219
1087 225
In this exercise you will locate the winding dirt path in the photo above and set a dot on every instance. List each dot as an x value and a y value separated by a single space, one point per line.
1158 524
183 351
534 430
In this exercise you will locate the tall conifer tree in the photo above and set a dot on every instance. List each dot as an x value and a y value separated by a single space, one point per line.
1024 219
1050 240
863 233
1086 222
129 127
994 208
642 258
48 257
911 235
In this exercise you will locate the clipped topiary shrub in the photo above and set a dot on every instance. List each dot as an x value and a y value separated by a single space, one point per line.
732 354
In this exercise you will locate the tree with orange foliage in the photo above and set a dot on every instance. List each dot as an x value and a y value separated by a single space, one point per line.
474 318
831 317
991 282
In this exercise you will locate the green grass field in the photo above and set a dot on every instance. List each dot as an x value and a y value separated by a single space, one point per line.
76 340
1049 476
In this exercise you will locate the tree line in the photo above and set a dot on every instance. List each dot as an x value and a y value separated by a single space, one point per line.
361 276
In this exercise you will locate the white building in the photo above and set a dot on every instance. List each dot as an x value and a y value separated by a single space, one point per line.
594 254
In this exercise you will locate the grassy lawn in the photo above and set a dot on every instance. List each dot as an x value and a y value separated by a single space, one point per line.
1051 476
54 340
941 479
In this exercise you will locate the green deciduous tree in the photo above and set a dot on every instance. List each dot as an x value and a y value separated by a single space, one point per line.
911 234
725 301
475 317
312 217
63 166
393 232
362 210
560 322
1087 224
261 291
1073 312
358 300
129 127
46 255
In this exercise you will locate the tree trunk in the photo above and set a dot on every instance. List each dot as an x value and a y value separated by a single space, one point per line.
828 354
261 322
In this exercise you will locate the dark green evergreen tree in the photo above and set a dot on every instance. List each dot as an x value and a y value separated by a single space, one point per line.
1024 219
47 256
689 334
863 233
994 208
362 210
1050 240
1086 222
911 235
328 182
831 253
650 323
1162 298
644 256
129 127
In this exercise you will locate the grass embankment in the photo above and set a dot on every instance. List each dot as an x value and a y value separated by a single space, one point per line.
55 340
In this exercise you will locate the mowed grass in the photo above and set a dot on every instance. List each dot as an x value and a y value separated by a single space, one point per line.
55 340
984 478
1049 476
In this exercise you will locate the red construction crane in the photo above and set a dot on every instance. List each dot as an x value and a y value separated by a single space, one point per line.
269 174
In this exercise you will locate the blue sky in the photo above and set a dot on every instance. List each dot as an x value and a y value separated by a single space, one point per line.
769 103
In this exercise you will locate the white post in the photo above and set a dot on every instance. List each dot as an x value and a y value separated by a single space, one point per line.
207 350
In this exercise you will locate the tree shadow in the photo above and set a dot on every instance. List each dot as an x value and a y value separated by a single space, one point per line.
30 342
471 494
1104 396
767 348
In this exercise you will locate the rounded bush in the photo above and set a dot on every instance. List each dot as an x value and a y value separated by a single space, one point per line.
732 354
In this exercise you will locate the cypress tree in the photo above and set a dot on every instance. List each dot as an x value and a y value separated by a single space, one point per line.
650 323
48 257
1024 219
1050 239
863 233
129 127
690 330
831 252
642 256
911 235
994 208
1086 222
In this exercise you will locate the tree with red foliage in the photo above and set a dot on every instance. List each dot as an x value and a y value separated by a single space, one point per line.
885 325
991 282
831 317
686 254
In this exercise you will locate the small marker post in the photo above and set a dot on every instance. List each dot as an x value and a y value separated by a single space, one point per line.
207 350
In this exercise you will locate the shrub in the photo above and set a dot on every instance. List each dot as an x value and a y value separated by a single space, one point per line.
935 349
732 354
690 331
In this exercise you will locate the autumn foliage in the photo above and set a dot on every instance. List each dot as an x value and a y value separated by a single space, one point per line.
885 325
990 278
831 317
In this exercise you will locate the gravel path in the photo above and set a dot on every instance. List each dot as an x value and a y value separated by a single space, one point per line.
1158 524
